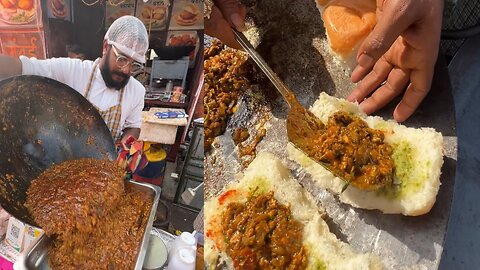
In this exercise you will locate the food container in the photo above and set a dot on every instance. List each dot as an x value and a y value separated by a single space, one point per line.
157 254
37 256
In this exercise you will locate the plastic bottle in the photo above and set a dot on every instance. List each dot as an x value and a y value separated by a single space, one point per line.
185 239
183 259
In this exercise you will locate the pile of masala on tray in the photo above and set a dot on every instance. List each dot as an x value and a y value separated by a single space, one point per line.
95 220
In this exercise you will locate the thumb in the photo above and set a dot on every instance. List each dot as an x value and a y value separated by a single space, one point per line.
218 27
233 12
395 17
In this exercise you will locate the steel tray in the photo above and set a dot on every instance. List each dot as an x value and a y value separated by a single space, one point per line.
37 256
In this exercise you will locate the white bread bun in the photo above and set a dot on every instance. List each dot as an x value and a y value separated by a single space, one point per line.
347 23
418 158
267 173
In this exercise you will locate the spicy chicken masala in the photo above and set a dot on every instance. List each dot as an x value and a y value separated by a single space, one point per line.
95 220
350 149
262 234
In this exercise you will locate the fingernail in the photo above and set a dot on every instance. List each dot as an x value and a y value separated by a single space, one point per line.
238 22
356 74
361 106
365 60
352 97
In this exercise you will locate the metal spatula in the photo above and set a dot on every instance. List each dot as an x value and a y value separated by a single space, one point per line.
303 127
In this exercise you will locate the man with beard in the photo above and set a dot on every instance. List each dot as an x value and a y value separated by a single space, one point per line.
105 82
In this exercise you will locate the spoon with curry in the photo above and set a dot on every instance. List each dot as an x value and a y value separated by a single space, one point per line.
345 146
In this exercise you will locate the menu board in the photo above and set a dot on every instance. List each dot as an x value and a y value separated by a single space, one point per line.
20 14
28 43
153 14
60 9
113 12
186 14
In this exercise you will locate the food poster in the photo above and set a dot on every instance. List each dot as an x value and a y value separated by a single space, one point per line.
17 14
153 14
114 11
60 9
28 43
186 15
184 38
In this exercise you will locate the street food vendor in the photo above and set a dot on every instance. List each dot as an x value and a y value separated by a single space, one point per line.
105 82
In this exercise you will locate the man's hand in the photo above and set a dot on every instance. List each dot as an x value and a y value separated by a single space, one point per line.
134 132
225 15
400 52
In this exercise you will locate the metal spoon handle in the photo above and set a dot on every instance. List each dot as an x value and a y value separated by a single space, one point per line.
277 82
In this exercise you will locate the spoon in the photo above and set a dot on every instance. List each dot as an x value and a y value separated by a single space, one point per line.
302 125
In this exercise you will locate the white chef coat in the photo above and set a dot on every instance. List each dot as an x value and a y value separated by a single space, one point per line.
76 73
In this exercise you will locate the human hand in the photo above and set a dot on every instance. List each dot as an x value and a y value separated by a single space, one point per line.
225 15
401 51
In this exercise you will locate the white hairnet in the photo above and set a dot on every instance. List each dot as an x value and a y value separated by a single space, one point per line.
129 35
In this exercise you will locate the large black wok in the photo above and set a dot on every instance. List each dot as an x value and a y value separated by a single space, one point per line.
43 122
